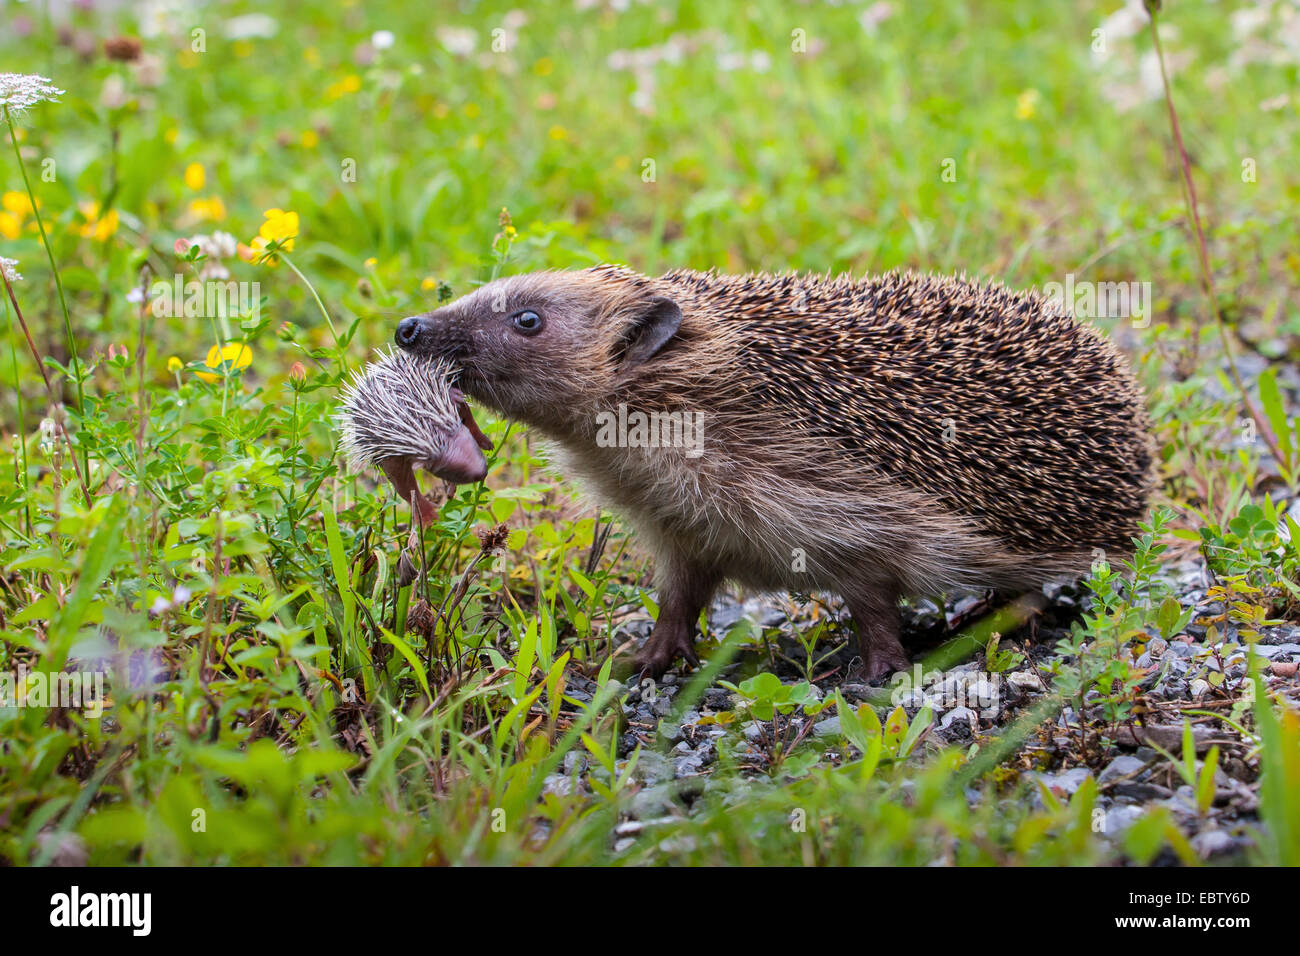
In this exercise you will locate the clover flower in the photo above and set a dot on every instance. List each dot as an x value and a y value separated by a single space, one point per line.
9 268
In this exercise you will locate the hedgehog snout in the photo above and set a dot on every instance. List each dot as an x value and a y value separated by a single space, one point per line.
413 335
462 461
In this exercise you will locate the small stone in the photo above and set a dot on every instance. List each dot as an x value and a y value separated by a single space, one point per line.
964 714
1199 687
1142 792
1122 766
688 767
1209 843
1025 679
653 767
1120 818
558 784
651 802
1067 782
574 759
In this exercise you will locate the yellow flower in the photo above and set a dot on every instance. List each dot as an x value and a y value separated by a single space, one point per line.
559 133
210 208
471 110
371 262
428 283
238 356
98 227
17 203
1026 103
11 227
349 84
174 364
280 225
310 139
311 55
172 135
195 176
544 67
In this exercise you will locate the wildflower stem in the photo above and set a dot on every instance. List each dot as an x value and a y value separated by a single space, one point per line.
1203 256
312 289
20 475
58 284
54 398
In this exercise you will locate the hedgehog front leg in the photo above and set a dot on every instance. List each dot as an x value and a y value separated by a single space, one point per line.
875 616
684 589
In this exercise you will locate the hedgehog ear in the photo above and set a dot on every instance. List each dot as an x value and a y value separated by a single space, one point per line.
651 330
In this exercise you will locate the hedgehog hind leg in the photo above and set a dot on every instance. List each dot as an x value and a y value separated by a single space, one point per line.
875 617
684 590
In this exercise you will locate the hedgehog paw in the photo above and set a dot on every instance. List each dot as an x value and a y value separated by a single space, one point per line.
881 659
661 650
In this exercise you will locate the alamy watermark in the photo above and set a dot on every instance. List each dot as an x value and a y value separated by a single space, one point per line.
209 298
72 690
1102 300
657 429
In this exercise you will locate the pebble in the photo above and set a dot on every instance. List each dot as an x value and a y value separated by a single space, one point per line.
830 727
1120 818
1210 843
1121 766
959 714
1067 782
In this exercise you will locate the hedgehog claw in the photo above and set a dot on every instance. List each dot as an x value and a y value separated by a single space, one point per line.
660 651
880 662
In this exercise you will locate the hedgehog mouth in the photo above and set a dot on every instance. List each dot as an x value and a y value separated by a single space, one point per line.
460 461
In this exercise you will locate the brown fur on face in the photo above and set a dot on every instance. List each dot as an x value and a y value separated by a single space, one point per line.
874 437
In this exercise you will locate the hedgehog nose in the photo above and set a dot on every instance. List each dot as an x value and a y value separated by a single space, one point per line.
408 332
462 461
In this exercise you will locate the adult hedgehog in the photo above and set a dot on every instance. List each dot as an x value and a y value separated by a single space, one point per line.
902 434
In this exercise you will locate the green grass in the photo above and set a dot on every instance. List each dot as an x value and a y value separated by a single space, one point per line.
302 718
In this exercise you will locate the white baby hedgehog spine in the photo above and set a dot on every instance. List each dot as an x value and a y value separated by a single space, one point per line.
399 406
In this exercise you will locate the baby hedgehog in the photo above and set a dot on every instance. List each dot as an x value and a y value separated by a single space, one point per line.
401 413
894 435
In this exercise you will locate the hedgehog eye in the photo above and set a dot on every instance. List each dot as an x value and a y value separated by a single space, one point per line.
528 322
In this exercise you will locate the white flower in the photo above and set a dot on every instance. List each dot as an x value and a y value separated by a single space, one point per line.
251 26
10 269
459 41
135 296
158 17
18 91
223 245
382 39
